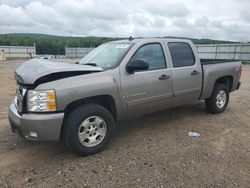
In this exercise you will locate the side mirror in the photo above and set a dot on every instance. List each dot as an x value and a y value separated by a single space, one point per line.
136 65
76 62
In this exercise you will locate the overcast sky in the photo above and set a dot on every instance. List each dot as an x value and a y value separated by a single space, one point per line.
216 19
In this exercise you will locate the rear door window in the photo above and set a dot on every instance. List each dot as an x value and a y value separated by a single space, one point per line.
182 54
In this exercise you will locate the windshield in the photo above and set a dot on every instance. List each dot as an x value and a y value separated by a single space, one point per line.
106 56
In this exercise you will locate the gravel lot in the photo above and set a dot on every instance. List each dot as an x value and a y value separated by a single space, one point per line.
153 151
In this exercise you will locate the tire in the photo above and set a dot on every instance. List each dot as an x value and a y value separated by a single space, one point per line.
84 140
215 105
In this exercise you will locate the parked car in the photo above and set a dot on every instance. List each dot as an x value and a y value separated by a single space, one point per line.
82 103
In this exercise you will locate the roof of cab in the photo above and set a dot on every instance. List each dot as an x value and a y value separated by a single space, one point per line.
136 40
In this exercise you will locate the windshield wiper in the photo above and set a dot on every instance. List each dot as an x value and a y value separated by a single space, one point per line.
91 64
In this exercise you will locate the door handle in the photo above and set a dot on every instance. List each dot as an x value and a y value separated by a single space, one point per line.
195 72
164 77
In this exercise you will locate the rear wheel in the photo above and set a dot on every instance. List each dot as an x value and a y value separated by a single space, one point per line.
88 129
218 101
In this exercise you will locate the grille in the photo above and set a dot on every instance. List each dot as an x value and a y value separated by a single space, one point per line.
20 94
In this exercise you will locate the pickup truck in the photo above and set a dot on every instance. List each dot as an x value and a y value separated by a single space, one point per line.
81 103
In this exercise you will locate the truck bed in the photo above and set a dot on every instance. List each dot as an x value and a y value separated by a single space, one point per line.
215 61
214 69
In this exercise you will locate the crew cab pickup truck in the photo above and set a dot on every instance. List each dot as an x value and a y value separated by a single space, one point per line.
81 103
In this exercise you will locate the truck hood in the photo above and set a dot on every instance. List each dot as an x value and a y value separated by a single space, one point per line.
38 71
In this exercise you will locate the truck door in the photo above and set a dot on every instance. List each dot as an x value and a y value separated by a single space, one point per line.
148 90
187 73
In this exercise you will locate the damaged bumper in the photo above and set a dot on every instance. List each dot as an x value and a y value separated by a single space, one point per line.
36 126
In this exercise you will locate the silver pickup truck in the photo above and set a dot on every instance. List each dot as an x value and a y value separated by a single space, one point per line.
81 103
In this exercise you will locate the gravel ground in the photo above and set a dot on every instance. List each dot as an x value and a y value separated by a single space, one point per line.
153 151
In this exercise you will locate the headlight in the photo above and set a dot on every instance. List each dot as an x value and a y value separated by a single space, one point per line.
41 101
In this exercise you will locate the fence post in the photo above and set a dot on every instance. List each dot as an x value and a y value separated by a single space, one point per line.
216 50
240 51
235 47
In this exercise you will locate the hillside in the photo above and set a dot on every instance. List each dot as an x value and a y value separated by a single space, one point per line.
51 44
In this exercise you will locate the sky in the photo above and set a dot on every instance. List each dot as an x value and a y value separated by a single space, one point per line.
214 19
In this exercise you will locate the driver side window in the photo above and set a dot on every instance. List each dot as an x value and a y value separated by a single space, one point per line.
153 54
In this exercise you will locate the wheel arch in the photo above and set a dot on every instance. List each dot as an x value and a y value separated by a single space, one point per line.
210 83
227 80
107 101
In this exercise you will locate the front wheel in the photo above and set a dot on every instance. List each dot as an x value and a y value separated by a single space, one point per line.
88 129
218 101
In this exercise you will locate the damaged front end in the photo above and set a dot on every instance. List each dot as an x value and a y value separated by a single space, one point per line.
36 72
50 77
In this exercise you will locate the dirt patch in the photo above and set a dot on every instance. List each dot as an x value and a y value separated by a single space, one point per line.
154 151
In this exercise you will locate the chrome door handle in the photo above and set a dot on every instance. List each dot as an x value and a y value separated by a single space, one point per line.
164 77
195 72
